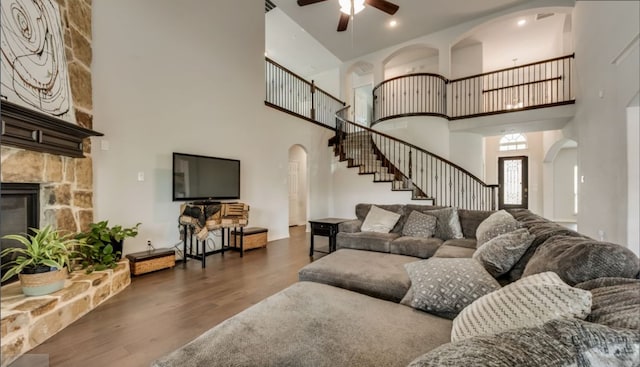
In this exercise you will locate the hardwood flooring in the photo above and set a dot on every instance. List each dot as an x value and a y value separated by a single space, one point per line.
162 311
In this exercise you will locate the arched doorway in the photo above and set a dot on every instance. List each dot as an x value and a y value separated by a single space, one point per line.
298 186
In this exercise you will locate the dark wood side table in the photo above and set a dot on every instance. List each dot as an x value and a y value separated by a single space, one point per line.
325 227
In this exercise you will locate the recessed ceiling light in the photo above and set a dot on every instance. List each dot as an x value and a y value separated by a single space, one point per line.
393 23
522 22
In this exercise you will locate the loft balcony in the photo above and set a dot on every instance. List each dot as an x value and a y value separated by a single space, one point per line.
543 84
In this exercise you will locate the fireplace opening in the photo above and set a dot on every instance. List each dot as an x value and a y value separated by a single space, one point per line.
19 211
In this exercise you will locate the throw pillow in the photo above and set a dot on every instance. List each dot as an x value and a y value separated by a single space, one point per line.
558 343
379 220
419 225
531 301
445 286
616 302
448 224
499 254
578 259
496 224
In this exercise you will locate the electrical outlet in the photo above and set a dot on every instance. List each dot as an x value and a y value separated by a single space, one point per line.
601 234
148 243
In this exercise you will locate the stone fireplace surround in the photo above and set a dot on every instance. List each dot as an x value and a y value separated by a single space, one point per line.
66 202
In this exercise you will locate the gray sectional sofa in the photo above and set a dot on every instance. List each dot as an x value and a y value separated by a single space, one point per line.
360 306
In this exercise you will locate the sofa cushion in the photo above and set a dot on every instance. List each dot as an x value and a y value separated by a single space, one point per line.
471 219
496 224
379 220
616 302
500 253
446 286
371 273
415 246
448 224
462 242
419 225
542 232
577 259
371 241
350 226
363 209
452 251
311 324
558 343
529 302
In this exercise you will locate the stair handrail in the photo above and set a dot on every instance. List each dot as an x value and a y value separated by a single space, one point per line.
343 120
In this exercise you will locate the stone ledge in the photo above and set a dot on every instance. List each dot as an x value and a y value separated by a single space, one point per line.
26 322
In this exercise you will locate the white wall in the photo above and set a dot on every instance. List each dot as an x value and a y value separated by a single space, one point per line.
607 79
427 132
424 65
563 197
328 81
466 61
169 77
535 158
467 151
633 163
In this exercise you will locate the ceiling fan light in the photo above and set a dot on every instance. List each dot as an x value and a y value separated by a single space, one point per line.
345 6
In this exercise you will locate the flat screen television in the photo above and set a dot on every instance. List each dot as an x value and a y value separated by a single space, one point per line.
198 177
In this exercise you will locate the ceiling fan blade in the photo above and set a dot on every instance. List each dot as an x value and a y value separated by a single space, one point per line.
309 2
383 5
343 22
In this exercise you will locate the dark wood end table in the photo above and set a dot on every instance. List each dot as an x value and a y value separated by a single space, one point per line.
327 227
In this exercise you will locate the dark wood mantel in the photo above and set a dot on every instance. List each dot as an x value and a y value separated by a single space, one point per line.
33 130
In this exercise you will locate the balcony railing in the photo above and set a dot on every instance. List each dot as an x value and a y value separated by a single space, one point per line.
291 93
541 84
410 95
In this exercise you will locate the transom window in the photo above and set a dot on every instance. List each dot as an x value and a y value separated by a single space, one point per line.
513 142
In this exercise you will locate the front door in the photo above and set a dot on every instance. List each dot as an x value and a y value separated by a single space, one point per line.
514 182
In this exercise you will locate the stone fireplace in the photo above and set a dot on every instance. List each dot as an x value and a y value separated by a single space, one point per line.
66 183
54 156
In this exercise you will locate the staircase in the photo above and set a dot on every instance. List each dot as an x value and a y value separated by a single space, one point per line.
409 168
359 151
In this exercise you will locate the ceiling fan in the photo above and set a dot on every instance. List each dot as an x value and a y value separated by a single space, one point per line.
349 7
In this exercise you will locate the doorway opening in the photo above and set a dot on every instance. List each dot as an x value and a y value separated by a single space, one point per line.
298 186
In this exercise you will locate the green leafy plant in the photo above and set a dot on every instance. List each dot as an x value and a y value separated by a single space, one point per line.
100 238
45 250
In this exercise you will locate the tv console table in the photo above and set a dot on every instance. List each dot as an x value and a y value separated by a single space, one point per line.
202 255
201 218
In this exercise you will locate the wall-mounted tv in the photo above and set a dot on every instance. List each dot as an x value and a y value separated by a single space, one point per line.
197 177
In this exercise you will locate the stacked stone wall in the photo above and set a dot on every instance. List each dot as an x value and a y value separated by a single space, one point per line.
26 322
66 199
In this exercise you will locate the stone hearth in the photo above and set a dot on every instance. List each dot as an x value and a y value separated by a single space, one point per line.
28 321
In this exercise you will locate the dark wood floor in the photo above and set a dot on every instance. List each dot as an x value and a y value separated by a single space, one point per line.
161 311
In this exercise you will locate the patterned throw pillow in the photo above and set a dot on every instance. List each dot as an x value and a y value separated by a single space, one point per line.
558 343
445 286
448 225
419 225
529 302
496 224
379 220
499 254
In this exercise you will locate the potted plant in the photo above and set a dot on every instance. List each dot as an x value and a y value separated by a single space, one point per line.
104 245
42 263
